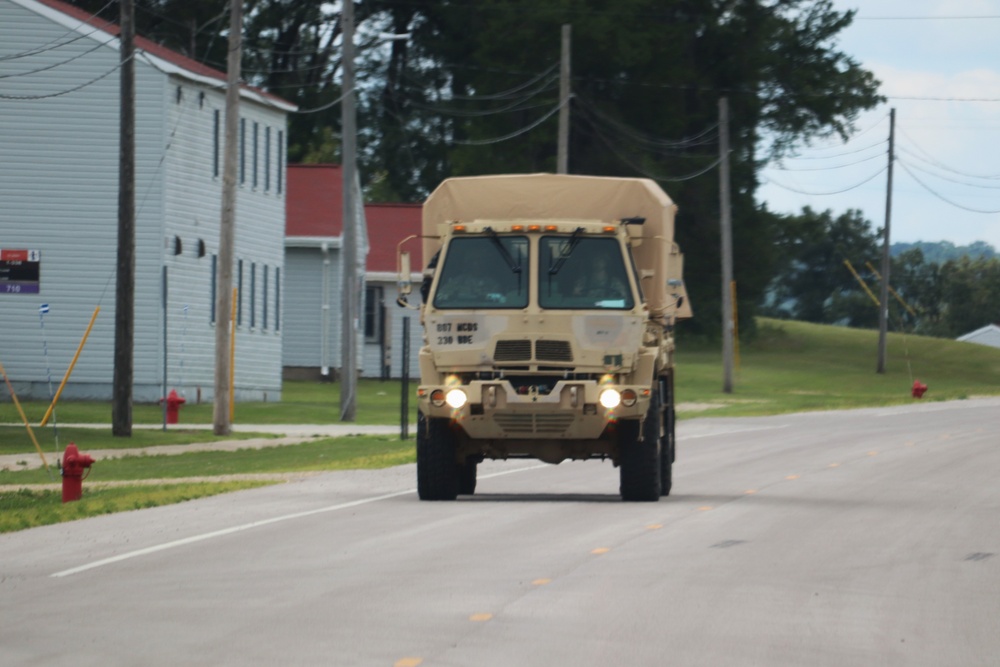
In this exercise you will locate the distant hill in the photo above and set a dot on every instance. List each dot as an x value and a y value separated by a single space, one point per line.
942 251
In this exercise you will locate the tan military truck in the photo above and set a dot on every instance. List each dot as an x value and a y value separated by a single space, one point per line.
549 304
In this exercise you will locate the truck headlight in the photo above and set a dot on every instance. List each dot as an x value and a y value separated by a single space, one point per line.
437 398
610 398
629 398
456 398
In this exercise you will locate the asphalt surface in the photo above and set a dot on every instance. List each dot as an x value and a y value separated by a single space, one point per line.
866 537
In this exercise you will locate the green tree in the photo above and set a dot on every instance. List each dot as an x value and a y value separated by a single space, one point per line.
812 282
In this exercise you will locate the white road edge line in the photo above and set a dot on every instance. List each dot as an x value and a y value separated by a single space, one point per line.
254 524
734 431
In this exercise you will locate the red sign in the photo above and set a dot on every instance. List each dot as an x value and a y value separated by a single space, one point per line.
19 271
13 255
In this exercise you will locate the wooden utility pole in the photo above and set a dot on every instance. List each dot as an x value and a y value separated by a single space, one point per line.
121 404
562 157
221 420
726 229
883 309
349 234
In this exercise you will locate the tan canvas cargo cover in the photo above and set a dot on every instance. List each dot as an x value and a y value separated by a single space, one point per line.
569 197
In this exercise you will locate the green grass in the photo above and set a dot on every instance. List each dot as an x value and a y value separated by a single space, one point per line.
28 508
795 366
788 367
350 452
15 439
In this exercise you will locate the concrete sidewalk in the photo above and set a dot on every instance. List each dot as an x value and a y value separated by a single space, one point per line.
289 434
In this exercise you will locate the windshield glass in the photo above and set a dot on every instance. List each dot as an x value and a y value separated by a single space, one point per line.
583 273
478 273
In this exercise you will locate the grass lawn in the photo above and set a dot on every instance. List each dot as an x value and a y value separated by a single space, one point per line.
787 367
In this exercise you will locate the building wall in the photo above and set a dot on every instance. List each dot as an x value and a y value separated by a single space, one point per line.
393 321
59 166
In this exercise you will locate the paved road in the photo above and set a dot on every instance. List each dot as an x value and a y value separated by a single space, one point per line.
868 537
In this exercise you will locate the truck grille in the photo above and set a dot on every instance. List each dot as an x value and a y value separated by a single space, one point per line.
553 350
526 424
512 350
545 350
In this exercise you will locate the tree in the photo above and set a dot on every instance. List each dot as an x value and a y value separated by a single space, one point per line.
811 282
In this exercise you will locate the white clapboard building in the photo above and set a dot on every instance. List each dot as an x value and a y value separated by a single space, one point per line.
59 166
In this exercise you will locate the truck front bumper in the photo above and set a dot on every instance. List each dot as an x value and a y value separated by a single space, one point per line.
571 410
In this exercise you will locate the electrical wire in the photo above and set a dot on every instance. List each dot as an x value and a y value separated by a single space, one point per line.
509 93
54 65
823 194
52 44
68 90
952 180
930 159
836 155
516 133
836 166
939 195
706 137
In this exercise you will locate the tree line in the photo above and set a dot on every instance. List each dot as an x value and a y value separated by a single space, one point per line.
473 88
943 290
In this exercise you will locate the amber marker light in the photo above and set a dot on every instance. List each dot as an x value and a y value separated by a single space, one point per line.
534 228
609 229
437 398
551 228
517 228
458 229
628 398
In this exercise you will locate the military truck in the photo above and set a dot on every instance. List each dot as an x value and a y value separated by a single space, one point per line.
548 306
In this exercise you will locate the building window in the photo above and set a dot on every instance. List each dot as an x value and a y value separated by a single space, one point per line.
215 144
255 155
373 314
280 148
267 166
215 268
243 151
253 294
239 294
264 314
277 299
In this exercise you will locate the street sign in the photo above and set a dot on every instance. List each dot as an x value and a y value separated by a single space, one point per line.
19 271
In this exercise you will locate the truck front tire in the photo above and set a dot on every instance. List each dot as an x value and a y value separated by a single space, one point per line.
437 470
640 460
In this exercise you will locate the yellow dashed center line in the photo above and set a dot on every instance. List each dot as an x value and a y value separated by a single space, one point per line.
480 618
600 550
541 582
872 453
408 662
704 508
834 465
750 492
654 526
790 477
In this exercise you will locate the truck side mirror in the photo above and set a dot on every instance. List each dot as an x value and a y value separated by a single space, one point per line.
405 287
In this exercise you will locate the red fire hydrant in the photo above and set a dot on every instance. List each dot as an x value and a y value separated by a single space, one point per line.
174 403
918 389
73 465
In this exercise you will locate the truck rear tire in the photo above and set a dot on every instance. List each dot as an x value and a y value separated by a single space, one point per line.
437 470
640 460
668 447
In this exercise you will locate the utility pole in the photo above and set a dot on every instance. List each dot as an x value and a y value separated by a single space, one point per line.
883 308
349 234
121 404
224 296
726 224
562 158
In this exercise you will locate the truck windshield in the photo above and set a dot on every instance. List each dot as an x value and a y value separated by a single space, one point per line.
476 274
590 273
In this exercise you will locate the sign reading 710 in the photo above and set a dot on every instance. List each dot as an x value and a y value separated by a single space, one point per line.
19 271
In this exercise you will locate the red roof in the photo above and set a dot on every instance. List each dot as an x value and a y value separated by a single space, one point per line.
313 203
314 207
388 224
149 46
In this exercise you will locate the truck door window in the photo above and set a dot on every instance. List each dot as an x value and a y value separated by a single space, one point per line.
591 274
477 274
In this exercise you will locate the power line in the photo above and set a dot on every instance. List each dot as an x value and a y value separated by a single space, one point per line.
54 65
940 165
823 194
953 180
516 133
836 166
69 90
93 20
939 195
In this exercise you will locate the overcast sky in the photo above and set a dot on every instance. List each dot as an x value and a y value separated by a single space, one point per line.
951 144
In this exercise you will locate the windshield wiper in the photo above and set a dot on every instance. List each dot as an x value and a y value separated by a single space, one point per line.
511 262
574 240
